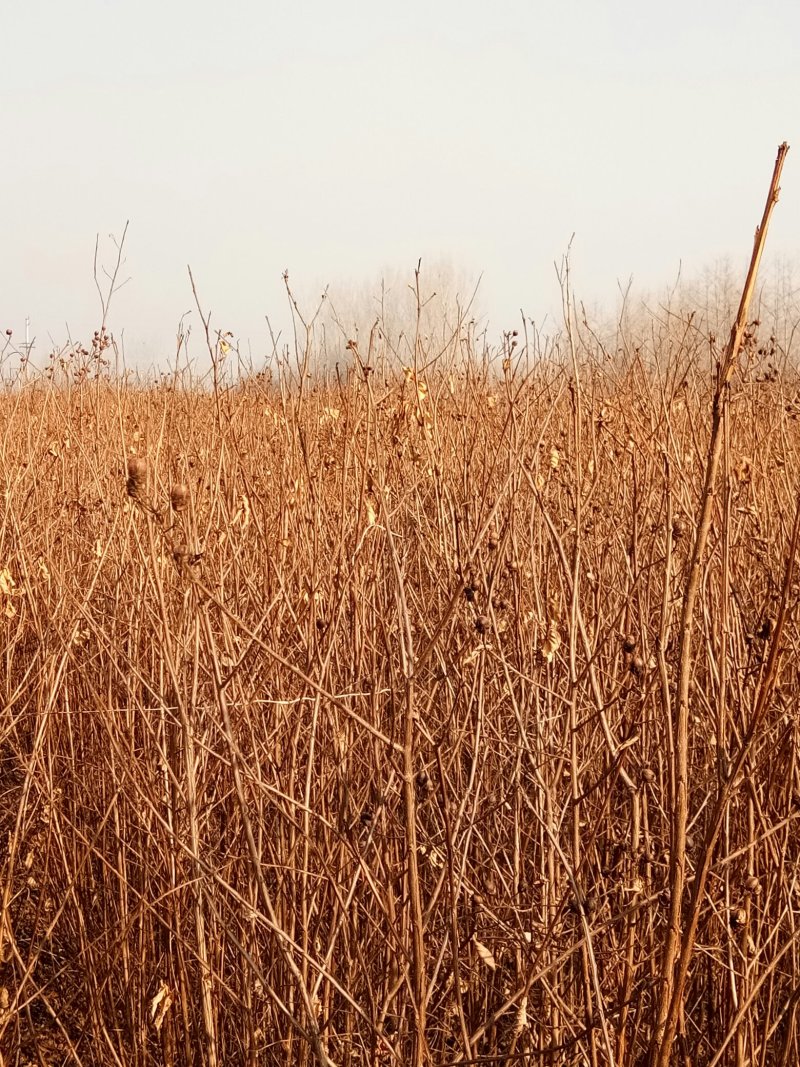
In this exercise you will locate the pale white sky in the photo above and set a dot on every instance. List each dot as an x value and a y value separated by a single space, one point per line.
341 139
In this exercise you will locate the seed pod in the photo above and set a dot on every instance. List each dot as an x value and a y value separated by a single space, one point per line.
137 475
179 497
737 918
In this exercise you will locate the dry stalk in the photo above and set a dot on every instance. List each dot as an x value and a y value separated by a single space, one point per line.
679 941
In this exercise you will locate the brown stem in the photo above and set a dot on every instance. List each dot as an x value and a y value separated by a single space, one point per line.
679 941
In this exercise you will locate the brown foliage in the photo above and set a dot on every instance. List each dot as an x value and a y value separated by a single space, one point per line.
254 644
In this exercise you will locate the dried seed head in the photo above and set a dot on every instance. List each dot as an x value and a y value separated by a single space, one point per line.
648 775
423 782
483 624
637 666
179 497
737 918
678 530
137 475
628 643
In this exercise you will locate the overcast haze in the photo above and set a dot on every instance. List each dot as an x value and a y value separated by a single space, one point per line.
340 140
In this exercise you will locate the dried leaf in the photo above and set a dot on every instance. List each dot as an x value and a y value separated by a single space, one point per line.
485 955
8 590
552 641
435 859
243 514
470 657
521 1020
160 1005
8 587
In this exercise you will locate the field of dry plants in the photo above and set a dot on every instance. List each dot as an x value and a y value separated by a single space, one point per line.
338 712
434 708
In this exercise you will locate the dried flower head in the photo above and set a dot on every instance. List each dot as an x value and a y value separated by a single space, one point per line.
137 475
179 497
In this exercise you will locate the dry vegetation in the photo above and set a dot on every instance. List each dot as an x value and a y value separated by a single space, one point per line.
348 710
339 710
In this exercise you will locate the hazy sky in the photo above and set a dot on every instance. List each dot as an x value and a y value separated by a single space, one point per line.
342 139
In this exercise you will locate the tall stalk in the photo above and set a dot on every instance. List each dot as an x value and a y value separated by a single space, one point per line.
675 943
